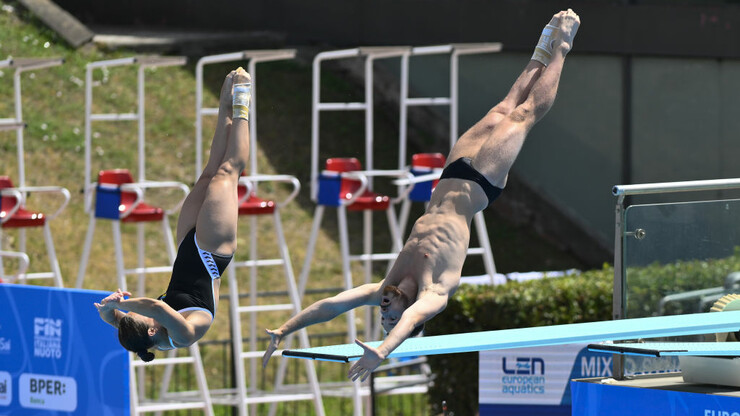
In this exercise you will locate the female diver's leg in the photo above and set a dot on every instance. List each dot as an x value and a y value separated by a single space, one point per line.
191 206
217 219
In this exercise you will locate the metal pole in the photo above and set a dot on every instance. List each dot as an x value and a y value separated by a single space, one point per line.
618 285
140 117
403 116
88 123
372 394
668 187
198 119
315 100
19 132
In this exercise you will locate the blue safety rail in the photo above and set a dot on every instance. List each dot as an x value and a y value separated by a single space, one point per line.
623 329
665 349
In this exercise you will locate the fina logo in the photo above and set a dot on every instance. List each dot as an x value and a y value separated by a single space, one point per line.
47 338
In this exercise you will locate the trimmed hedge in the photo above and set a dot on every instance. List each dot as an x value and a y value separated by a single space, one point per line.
550 301
586 297
647 285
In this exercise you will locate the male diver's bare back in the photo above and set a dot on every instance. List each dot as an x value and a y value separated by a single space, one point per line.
435 251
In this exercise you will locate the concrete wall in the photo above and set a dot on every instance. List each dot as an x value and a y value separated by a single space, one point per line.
684 125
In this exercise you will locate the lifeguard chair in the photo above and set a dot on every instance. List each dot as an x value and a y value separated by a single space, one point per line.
119 198
23 262
252 206
14 214
344 184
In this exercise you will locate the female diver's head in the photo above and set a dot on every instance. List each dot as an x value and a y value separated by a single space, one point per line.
136 336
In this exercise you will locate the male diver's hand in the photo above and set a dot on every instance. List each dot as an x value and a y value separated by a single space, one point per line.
275 337
371 359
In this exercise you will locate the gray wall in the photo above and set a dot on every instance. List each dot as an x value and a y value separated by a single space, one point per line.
685 119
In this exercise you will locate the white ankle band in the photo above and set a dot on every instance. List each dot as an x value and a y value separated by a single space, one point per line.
242 100
543 50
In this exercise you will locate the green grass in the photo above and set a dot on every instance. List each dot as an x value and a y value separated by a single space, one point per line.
53 107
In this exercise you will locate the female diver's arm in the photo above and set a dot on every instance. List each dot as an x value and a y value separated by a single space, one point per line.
322 311
109 315
424 309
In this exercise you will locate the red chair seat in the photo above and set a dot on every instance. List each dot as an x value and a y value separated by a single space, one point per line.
143 213
23 218
369 201
428 160
256 206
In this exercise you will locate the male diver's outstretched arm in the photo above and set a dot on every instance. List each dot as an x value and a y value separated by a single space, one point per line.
424 309
322 311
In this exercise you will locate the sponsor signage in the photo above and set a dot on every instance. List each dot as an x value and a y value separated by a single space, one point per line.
43 391
531 381
57 356
592 399
6 389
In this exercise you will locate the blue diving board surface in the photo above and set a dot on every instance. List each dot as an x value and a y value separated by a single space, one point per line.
666 349
588 332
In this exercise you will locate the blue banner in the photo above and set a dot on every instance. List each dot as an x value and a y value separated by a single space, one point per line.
57 357
592 399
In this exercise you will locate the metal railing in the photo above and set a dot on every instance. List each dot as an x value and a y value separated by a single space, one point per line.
621 192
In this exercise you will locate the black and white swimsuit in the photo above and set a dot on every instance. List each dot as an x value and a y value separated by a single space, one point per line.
191 284
463 169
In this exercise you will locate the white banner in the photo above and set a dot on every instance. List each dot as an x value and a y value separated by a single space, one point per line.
538 375
48 392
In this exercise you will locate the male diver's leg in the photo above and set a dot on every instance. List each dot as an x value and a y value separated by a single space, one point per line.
471 141
217 219
194 200
500 149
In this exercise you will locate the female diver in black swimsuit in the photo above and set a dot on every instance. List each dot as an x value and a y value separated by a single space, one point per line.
185 312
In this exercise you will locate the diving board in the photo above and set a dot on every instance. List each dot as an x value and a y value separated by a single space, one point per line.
623 329
668 349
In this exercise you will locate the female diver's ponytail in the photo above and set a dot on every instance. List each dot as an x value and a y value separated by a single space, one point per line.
145 355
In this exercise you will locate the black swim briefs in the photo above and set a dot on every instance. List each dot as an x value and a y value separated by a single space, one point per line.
463 169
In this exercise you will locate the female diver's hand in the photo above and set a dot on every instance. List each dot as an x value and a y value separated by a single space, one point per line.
112 301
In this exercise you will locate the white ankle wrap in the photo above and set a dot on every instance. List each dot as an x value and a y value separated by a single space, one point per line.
242 100
543 50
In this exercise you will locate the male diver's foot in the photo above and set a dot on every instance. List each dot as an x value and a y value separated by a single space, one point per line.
241 76
555 21
569 23
224 102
